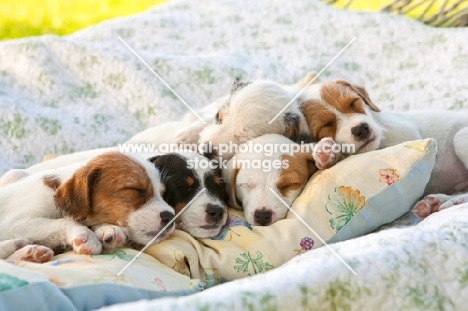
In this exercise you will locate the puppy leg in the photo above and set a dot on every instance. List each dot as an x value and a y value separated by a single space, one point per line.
430 204
461 146
55 233
8 247
324 154
111 236
32 253
455 200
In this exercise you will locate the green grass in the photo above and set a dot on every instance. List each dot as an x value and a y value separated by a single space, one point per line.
23 18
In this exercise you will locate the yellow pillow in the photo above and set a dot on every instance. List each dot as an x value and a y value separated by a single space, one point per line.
352 198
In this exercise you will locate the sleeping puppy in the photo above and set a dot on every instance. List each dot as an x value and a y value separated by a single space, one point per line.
345 112
239 116
245 114
250 175
117 195
184 175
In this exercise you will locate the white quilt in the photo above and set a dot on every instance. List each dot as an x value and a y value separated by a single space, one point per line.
87 90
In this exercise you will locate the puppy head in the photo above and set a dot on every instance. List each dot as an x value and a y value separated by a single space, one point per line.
343 111
184 176
117 189
249 186
247 112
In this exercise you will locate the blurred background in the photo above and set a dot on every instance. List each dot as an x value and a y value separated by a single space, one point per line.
25 18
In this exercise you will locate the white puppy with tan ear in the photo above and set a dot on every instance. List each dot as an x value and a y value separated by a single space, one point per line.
250 175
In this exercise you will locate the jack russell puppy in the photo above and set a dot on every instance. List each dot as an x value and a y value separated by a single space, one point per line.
181 182
245 113
345 112
185 174
251 175
117 195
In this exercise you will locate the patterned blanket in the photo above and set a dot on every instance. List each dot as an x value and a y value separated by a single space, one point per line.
87 90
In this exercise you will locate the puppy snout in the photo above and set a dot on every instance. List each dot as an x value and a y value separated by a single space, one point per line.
262 217
361 131
166 217
214 213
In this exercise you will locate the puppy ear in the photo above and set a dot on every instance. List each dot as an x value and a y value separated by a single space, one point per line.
309 77
291 122
361 91
74 196
232 189
160 161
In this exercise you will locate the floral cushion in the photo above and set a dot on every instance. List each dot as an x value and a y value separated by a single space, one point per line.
350 199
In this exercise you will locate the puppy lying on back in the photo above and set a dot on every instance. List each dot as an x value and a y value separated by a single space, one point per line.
117 195
345 112
250 176
241 115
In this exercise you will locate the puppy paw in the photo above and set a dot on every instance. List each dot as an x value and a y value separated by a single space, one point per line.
324 155
111 236
8 247
456 200
429 204
32 253
85 242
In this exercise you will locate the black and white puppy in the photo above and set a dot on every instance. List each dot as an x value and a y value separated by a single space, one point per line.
186 177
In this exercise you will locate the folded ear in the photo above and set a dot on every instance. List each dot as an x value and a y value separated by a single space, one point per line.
361 91
233 202
291 122
74 196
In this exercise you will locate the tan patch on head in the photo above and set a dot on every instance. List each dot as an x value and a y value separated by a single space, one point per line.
179 207
106 190
320 118
216 180
300 167
51 181
337 97
189 181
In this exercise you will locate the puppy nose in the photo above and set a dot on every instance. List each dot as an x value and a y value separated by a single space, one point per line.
214 213
361 131
263 217
166 217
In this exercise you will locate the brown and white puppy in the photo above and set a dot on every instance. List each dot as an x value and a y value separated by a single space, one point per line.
251 175
345 112
247 112
117 195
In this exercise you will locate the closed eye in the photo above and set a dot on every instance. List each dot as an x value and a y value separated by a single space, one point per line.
328 124
132 193
289 187
247 186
